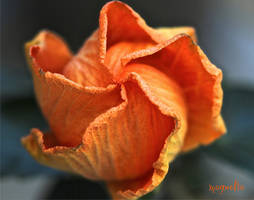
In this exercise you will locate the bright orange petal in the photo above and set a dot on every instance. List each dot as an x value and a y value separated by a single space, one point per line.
183 61
157 147
85 68
132 28
49 52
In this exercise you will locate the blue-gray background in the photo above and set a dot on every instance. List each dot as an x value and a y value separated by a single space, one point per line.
225 31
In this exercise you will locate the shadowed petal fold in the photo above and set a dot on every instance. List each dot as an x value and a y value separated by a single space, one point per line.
131 29
132 26
116 40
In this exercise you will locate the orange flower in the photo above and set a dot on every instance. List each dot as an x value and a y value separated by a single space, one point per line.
130 100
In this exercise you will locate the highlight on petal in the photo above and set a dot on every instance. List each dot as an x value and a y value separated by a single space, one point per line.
184 62
169 32
49 52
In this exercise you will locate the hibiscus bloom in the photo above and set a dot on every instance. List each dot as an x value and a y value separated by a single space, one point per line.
126 104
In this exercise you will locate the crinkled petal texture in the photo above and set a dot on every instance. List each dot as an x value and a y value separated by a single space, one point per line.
130 100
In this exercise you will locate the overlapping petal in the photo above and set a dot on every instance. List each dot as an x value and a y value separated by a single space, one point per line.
182 60
167 97
131 29
68 106
109 149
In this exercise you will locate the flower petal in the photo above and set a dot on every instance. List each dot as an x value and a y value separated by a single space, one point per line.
71 159
127 140
67 106
117 145
133 189
85 68
35 144
135 138
167 97
49 52
183 61
77 161
131 29
117 52
132 26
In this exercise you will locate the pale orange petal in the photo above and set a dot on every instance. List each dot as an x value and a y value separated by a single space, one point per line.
85 68
183 61
49 52
67 106
71 159
117 145
70 108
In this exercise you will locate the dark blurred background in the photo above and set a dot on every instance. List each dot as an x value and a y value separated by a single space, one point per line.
225 30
